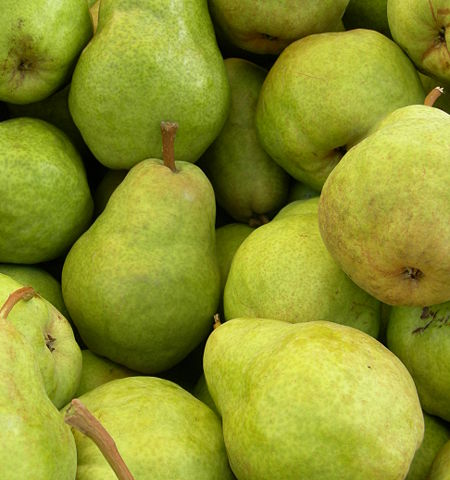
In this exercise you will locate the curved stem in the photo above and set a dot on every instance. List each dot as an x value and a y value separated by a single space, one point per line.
168 132
433 96
79 417
24 293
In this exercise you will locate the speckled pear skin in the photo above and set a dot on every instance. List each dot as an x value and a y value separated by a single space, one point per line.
440 470
268 27
161 431
325 92
296 279
420 337
246 181
39 46
51 337
35 441
313 400
436 435
46 202
142 284
149 61
422 29
385 232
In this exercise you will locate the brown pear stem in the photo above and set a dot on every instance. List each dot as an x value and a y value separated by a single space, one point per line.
168 132
79 417
217 322
433 96
23 293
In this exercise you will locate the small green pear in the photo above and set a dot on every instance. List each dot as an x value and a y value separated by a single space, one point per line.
161 432
296 279
420 337
440 470
148 61
46 201
142 283
315 400
35 441
325 92
383 211
246 181
39 46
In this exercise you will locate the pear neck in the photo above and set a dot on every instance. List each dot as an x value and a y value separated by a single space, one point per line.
168 133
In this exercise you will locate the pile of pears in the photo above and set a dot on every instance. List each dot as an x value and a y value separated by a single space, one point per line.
225 240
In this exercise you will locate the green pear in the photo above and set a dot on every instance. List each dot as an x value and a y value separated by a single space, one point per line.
201 392
35 441
142 283
148 61
161 431
246 181
300 191
422 29
268 27
97 371
435 436
296 279
440 470
46 202
50 335
39 46
364 14
42 282
325 92
299 207
106 186
315 400
384 213
420 337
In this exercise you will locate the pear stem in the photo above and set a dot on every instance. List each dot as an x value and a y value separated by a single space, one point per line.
24 293
433 96
168 132
79 417
217 322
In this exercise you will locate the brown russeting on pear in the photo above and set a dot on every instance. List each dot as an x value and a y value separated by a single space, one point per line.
168 132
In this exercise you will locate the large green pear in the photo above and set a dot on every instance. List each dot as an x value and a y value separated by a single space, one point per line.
50 335
316 401
246 181
422 29
440 470
46 203
269 26
161 431
143 283
325 92
149 61
420 337
39 45
384 213
283 271
36 444
435 436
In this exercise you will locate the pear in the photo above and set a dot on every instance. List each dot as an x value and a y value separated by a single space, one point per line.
364 14
39 46
97 371
46 201
35 441
420 337
142 283
43 282
161 432
268 27
422 29
440 470
383 211
435 436
51 337
312 400
325 92
201 392
300 191
148 61
246 181
296 279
